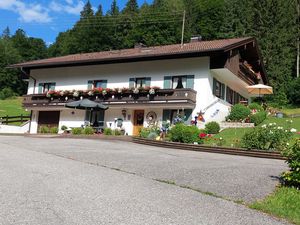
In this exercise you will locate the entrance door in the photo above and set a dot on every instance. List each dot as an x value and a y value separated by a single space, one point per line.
138 121
48 118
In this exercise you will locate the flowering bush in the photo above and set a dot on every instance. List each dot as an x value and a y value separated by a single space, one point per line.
258 117
292 177
185 134
212 127
238 113
267 137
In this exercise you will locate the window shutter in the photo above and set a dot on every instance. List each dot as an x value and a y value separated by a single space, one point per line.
166 114
52 86
167 82
147 81
104 84
41 87
188 115
214 86
223 91
190 81
90 84
131 82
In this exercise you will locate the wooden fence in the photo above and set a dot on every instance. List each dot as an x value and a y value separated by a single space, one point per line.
14 119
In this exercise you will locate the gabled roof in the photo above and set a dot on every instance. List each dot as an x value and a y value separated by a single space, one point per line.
143 53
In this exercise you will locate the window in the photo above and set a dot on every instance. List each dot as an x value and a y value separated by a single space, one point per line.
218 89
140 82
233 97
179 82
171 114
100 84
45 87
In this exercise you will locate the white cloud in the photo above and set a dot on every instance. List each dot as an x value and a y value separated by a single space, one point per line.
69 8
27 12
35 12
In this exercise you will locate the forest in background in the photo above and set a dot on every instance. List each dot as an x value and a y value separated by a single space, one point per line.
275 24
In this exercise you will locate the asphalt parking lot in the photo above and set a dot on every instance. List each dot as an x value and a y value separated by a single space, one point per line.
77 181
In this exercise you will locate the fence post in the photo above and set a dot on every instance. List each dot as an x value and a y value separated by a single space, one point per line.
6 119
21 118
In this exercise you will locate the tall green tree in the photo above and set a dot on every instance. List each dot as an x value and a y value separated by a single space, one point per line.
87 11
10 78
114 9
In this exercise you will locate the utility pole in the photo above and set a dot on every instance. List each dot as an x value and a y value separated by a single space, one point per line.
183 25
298 39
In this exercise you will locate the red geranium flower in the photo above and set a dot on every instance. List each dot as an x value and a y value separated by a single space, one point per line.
202 135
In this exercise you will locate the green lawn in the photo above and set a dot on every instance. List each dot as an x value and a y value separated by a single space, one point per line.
284 202
233 136
289 112
12 107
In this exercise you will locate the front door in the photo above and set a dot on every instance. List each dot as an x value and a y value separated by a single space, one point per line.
138 121
48 118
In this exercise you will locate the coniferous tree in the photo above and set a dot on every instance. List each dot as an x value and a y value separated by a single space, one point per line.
114 9
6 33
87 11
99 11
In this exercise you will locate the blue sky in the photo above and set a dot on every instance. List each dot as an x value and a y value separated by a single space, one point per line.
46 18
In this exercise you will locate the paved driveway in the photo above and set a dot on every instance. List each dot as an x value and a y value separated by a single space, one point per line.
100 182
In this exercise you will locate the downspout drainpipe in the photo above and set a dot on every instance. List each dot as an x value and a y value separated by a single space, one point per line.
34 85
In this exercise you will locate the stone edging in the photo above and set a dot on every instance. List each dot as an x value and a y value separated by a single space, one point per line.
203 148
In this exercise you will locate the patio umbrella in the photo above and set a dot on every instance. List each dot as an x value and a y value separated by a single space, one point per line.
260 89
86 104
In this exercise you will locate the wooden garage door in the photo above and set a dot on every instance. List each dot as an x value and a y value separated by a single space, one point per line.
48 118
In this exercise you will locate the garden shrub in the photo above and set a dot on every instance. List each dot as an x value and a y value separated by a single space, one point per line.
117 132
44 130
258 117
185 134
88 131
292 177
152 136
53 130
266 137
77 131
107 131
255 106
64 127
144 132
212 127
238 112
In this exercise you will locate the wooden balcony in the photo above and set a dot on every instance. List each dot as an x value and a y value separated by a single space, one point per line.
162 98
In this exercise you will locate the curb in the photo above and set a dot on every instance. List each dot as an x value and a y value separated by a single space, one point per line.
203 148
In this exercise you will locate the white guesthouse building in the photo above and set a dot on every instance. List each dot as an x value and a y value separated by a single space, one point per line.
201 77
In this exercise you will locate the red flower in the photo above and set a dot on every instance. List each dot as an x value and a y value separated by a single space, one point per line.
202 135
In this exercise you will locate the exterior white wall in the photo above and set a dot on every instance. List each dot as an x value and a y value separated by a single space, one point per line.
71 118
117 75
9 129
34 122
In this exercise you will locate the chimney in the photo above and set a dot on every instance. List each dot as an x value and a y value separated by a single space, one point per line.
197 38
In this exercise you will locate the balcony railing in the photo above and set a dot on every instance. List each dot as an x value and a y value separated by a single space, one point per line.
176 97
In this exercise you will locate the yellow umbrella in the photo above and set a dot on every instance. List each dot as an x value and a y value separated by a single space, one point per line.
260 89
